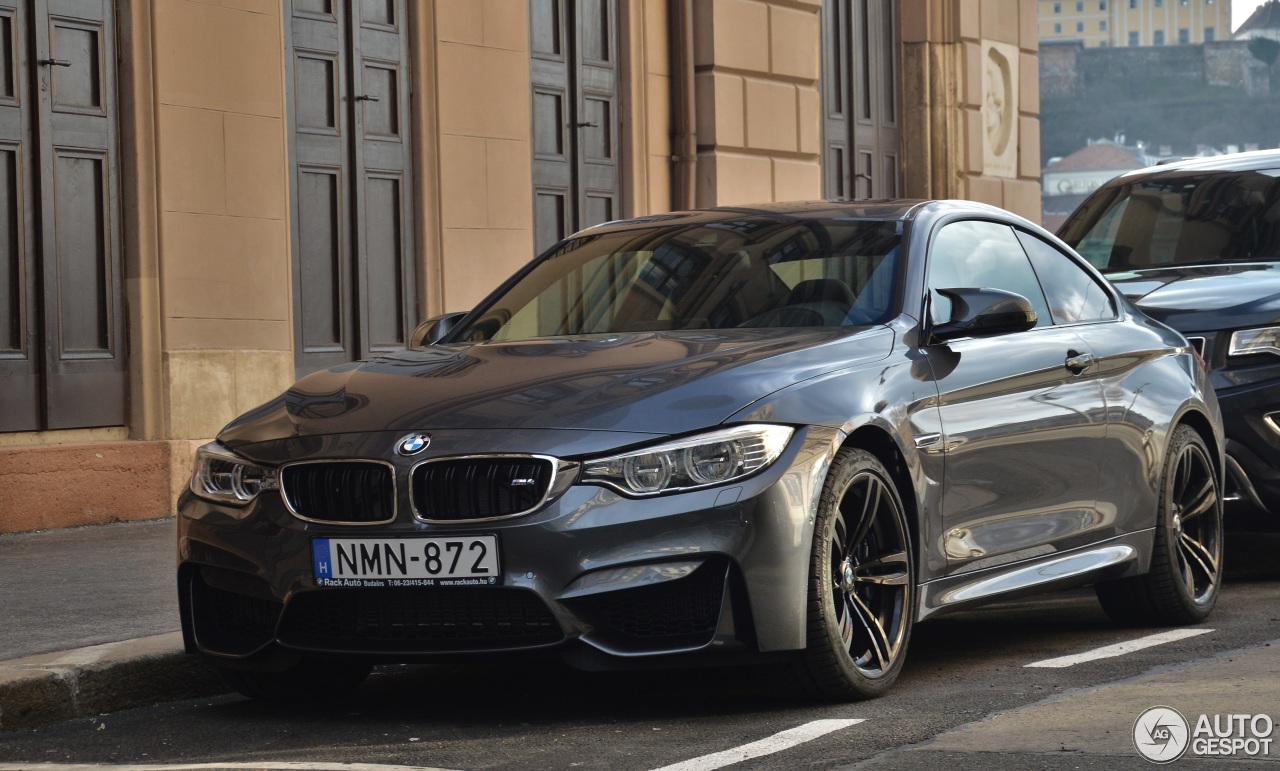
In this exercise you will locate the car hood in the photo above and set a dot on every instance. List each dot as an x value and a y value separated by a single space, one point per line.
652 383
1202 298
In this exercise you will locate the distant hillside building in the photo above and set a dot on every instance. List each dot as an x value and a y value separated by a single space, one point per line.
1100 23
1263 22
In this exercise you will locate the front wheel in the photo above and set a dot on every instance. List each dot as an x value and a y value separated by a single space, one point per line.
1186 564
861 596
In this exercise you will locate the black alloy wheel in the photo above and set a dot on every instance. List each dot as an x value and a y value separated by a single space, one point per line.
861 582
1186 564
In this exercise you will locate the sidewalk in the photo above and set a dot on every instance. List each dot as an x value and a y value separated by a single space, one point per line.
91 623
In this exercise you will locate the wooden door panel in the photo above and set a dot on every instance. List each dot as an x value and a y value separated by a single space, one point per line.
573 94
80 247
384 239
355 282
21 379
324 263
860 82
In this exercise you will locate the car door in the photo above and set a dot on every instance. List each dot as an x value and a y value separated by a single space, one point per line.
1021 416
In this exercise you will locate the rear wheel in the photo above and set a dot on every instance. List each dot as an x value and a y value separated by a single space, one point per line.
861 598
1186 565
301 682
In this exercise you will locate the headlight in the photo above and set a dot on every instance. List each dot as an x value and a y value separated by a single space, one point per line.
223 477
1248 342
699 461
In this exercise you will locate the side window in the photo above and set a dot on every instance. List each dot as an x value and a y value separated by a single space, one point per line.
983 255
1073 295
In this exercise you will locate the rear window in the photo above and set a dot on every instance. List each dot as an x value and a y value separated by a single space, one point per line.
1171 220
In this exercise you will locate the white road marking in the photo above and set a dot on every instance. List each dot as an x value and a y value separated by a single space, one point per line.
1119 649
767 746
264 766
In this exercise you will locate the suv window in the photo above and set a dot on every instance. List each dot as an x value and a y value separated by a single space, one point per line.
983 255
1074 296
1168 220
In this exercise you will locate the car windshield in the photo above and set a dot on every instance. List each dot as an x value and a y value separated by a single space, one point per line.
749 273
1180 219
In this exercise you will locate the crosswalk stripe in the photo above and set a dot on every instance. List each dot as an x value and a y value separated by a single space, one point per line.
1119 649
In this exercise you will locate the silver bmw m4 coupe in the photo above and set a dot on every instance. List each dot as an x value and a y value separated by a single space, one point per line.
790 431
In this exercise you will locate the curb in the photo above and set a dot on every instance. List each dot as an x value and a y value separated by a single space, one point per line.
102 678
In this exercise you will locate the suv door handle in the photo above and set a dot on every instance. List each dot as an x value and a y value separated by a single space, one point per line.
1079 362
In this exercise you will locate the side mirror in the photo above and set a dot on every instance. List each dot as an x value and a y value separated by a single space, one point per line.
434 329
984 313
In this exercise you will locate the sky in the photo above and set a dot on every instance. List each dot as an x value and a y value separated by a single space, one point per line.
1241 10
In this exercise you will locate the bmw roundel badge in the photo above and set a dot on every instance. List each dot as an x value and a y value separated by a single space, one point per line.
413 444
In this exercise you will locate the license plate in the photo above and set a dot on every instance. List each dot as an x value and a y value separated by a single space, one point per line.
466 560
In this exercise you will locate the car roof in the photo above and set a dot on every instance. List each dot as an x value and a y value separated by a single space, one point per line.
1251 161
888 209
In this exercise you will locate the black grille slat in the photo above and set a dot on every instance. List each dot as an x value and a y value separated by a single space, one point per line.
410 619
479 488
354 492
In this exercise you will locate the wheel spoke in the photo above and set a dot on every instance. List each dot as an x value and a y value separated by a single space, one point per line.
1201 502
886 570
870 504
1182 479
1197 554
875 632
845 626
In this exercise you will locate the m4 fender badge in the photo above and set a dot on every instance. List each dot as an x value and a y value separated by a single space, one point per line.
413 444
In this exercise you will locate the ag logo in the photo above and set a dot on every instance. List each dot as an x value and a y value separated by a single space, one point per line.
413 444
1161 734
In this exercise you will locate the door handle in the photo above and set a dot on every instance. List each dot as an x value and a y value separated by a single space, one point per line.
366 98
1079 362
56 62
587 124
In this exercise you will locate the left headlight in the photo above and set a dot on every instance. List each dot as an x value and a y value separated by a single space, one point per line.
699 461
224 477
1248 342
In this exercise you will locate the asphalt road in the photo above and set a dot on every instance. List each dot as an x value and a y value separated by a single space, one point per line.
966 699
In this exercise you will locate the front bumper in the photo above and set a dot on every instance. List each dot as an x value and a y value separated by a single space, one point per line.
720 568
1249 397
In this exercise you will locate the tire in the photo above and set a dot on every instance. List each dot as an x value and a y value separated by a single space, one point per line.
862 583
307 681
1186 563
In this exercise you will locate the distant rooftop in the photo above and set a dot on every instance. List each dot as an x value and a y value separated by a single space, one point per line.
1101 155
1265 16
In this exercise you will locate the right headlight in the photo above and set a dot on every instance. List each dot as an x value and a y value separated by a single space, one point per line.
1248 342
706 460
224 477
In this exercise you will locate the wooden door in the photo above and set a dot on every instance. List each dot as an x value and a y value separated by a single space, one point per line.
351 158
62 335
861 88
574 86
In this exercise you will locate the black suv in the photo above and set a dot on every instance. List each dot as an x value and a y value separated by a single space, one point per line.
1196 244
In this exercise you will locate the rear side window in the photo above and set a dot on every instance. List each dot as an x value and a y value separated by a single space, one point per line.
1072 293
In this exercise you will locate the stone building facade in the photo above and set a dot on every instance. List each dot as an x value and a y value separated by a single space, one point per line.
224 194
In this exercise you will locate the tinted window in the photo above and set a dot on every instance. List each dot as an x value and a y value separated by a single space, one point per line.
982 255
754 273
1180 219
1073 295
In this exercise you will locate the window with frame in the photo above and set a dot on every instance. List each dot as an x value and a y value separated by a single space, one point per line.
981 255
1184 36
1157 38
1133 38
